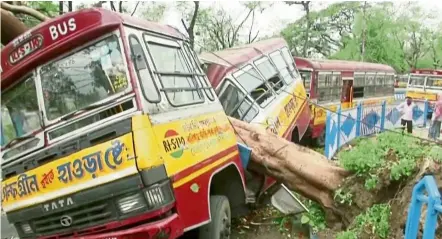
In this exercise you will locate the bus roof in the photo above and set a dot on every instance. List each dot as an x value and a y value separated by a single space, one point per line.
56 36
427 71
337 65
223 62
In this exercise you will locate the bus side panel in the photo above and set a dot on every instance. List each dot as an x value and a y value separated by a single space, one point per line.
193 191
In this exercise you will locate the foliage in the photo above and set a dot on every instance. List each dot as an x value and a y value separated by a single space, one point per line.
343 197
153 11
390 151
217 29
50 9
315 218
383 32
376 220
436 153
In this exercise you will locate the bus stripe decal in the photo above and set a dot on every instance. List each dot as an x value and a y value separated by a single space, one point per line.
214 163
190 170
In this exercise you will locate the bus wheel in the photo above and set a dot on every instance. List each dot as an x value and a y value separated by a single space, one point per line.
219 226
320 141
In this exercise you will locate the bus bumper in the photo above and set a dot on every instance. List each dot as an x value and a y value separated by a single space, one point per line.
168 228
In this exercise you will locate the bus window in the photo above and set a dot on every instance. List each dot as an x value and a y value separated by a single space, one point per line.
236 104
148 86
289 58
282 67
203 69
269 72
417 81
176 77
255 86
380 88
19 109
358 85
324 91
389 84
306 78
435 82
370 87
336 83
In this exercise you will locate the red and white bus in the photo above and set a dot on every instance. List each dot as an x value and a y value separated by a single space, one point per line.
331 83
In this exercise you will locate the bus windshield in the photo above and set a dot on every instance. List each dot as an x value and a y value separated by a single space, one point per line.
85 77
19 109
431 81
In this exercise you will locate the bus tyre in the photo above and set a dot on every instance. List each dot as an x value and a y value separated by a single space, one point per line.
219 226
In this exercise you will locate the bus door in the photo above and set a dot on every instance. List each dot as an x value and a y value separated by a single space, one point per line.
347 89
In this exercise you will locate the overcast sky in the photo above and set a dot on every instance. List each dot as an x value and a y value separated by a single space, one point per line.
273 19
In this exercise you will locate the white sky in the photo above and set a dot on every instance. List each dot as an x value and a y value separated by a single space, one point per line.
273 19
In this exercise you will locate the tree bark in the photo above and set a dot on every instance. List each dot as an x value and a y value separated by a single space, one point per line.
11 27
301 169
25 10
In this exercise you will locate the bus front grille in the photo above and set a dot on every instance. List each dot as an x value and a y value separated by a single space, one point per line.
76 218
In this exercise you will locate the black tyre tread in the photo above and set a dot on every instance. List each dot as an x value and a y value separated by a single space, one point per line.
216 202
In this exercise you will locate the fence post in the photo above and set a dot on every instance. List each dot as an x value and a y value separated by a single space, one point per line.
338 134
426 109
383 109
414 211
358 119
328 126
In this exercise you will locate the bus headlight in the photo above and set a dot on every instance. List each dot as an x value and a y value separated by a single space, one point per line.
131 203
159 194
26 228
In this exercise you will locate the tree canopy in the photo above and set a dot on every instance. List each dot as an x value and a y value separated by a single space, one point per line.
396 34
378 32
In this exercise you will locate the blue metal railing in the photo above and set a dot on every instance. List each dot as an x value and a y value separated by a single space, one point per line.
425 191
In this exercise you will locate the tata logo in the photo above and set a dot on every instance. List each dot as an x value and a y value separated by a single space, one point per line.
174 143
55 205
25 49
66 221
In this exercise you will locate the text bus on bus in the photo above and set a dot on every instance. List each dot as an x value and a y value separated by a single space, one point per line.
110 129
331 83
259 83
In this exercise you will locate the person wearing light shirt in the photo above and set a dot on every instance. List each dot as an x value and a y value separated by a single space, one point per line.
436 120
407 114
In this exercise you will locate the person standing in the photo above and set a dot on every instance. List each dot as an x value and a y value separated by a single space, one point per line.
436 120
407 114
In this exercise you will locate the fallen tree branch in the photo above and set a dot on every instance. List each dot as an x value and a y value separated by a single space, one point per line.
24 10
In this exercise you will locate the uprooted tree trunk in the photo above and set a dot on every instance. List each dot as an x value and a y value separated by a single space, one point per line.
300 169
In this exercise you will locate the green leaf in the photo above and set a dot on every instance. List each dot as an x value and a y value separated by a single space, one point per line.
305 219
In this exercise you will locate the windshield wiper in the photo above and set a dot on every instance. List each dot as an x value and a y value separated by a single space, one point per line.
18 140
89 107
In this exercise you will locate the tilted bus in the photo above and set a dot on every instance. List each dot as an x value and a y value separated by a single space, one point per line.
259 83
110 129
425 84
330 83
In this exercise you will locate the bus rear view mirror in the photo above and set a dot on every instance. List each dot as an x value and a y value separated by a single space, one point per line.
286 202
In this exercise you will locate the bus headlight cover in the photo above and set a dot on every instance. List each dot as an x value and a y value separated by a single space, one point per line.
159 195
26 228
131 203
